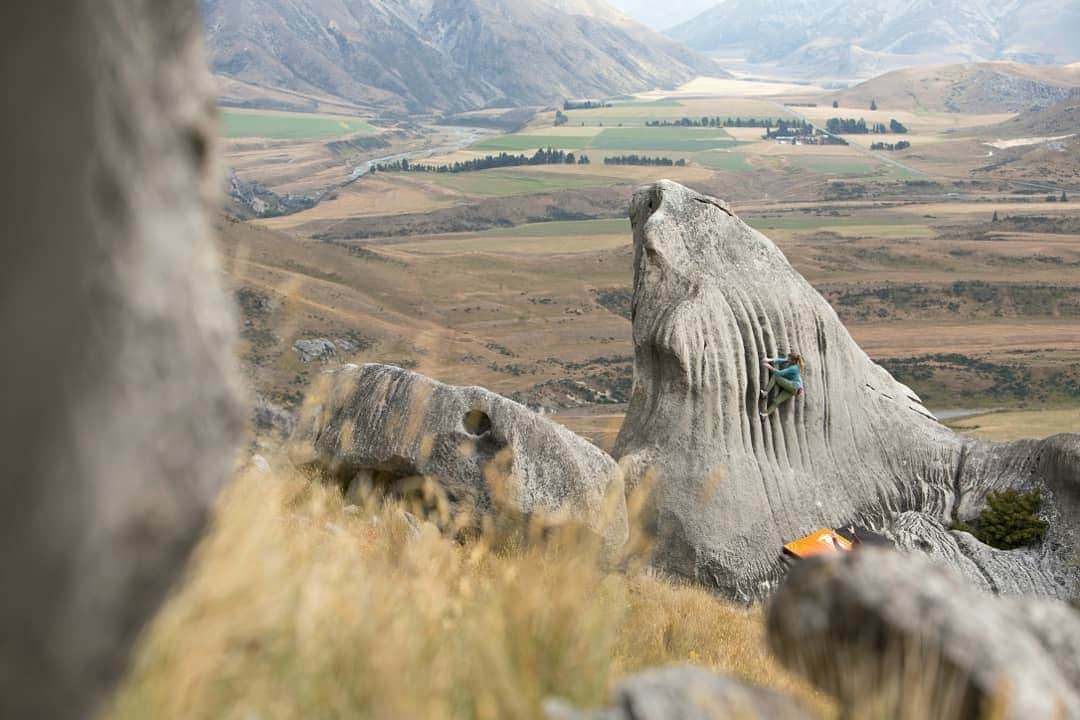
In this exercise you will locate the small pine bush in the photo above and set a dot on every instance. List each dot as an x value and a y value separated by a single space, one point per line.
1010 520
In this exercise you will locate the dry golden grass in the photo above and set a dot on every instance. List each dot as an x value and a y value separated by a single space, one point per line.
297 606
1017 424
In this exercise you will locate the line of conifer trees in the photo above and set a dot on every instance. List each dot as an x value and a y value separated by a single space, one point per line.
642 160
716 121
902 145
549 156
789 128
851 126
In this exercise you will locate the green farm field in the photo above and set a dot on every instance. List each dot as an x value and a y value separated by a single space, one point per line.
677 139
507 245
289 126
831 165
639 112
722 160
502 182
546 238
640 139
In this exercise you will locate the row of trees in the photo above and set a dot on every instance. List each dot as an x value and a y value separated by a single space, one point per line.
902 145
851 126
790 128
642 160
716 121
584 104
540 157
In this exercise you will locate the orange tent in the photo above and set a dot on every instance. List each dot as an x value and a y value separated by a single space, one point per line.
816 543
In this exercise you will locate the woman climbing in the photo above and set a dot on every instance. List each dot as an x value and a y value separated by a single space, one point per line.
786 377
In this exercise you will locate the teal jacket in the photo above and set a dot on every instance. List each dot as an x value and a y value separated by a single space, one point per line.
788 371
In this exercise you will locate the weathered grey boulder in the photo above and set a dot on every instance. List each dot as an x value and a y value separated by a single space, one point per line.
712 297
895 635
120 409
383 427
684 692
1026 571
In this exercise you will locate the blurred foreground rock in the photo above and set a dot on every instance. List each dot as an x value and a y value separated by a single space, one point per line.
682 692
471 453
712 297
121 412
898 636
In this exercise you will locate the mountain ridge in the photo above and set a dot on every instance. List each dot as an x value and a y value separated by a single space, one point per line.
443 55
835 37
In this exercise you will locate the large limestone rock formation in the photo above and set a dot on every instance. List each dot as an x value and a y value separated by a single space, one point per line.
120 411
385 428
712 297
684 692
893 635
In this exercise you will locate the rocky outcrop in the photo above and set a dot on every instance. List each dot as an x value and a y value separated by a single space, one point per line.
314 349
893 635
1008 572
712 297
121 412
382 428
683 692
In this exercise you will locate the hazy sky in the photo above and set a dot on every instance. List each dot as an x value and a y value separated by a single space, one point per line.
662 15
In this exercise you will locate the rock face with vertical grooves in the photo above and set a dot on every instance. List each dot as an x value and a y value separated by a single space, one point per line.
893 635
121 409
712 297
386 427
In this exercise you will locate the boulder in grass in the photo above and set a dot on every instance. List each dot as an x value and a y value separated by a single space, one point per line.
474 453
896 635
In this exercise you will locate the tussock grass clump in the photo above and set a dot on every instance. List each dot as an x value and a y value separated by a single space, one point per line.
298 606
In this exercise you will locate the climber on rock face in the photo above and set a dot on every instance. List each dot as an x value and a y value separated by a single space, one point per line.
786 378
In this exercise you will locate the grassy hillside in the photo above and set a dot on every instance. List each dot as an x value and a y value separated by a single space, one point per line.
969 88
292 126
296 602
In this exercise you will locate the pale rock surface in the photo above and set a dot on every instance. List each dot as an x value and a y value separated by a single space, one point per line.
314 349
121 411
712 297
684 692
1025 571
897 635
381 426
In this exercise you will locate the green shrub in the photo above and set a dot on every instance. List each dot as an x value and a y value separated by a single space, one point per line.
1010 520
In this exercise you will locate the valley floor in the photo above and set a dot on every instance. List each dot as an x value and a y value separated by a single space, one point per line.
960 279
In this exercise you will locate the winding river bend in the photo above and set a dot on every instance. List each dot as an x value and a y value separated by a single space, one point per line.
458 137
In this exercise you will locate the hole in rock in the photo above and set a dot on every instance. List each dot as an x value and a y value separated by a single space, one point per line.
476 422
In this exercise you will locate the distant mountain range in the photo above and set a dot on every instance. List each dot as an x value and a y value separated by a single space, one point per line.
662 16
840 38
443 55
